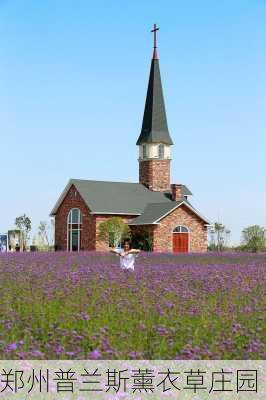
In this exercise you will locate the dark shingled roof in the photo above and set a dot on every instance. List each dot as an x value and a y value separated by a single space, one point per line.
125 198
186 191
114 197
154 125
155 211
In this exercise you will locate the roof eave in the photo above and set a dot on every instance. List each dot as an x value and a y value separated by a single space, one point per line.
149 139
190 207
145 223
115 213
61 198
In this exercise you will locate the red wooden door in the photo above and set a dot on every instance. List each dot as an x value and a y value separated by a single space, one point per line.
180 242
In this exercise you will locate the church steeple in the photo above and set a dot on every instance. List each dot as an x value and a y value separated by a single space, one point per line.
154 140
154 125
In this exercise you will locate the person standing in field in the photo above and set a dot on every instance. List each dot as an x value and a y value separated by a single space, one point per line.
127 255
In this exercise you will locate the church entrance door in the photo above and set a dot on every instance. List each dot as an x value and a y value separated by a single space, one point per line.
180 240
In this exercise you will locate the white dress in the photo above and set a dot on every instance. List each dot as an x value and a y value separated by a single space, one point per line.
127 261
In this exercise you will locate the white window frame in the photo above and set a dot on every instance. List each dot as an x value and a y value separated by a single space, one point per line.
180 229
70 229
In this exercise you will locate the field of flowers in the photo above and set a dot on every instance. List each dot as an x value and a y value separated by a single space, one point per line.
63 306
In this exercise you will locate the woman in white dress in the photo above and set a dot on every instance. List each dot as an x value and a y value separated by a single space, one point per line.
127 256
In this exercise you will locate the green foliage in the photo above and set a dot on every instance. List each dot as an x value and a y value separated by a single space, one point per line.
45 237
219 237
113 231
24 224
254 238
142 241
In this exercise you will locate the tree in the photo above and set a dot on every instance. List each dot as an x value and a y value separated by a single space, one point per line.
219 231
227 237
24 225
113 231
142 241
43 233
219 237
254 238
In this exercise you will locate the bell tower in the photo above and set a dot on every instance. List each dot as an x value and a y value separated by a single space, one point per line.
154 140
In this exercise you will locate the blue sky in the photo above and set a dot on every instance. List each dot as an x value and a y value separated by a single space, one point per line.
73 79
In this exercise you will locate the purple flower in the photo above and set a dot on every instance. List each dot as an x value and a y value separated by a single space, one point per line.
194 306
70 353
236 328
94 355
254 346
136 355
11 347
84 316
59 349
37 353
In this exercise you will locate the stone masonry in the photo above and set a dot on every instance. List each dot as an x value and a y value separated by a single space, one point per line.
89 238
155 174
163 233
177 193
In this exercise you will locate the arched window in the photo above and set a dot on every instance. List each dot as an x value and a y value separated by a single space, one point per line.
161 150
74 223
180 229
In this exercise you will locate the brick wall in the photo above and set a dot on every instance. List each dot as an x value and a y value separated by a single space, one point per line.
163 240
155 174
90 223
74 200
162 233
177 192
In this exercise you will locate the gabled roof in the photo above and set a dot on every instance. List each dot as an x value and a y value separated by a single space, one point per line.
126 198
154 124
154 212
113 197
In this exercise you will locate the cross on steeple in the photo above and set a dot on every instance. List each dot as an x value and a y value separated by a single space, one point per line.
154 31
154 124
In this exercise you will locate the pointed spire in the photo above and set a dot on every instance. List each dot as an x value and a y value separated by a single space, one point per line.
154 124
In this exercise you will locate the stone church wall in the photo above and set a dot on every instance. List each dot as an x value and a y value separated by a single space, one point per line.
162 233
163 236
155 174
74 200
90 223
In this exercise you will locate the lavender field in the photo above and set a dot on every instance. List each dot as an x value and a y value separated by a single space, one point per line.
63 306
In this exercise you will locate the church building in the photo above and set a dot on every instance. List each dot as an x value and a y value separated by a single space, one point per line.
153 206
